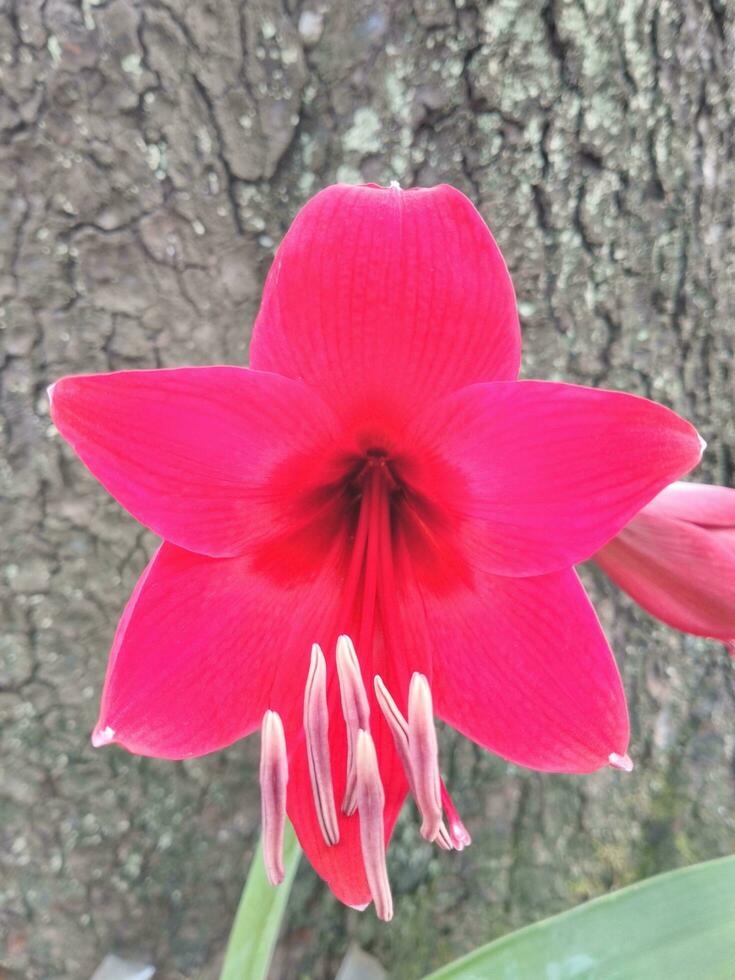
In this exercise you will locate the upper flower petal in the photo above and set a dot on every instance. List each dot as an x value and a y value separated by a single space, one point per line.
522 667
537 476
682 574
698 503
377 293
212 459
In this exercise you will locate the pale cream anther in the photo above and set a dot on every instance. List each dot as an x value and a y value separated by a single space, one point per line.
316 727
273 782
370 805
399 730
356 711
424 753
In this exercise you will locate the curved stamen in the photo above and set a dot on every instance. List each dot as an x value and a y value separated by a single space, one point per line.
316 727
424 753
398 726
356 711
399 730
273 781
370 804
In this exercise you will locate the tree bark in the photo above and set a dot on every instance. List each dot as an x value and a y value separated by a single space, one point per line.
152 156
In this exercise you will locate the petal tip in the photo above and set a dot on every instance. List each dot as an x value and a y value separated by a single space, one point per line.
623 762
103 736
702 445
359 908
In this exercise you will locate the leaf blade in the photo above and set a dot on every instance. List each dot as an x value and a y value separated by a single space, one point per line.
259 915
674 926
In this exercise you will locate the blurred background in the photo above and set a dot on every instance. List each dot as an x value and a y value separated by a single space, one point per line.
152 155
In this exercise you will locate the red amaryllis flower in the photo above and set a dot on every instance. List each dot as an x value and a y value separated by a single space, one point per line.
676 558
378 473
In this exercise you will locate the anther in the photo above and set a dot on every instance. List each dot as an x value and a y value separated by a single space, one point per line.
356 711
273 781
623 762
370 804
316 726
399 729
424 754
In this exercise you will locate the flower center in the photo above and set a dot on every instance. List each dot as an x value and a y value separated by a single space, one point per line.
386 525
370 572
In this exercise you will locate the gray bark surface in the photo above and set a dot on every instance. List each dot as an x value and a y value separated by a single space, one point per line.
151 156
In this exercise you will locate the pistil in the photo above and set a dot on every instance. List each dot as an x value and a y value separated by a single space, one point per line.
458 834
273 781
316 727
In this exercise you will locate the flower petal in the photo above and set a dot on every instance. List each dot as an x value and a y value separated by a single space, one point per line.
205 647
377 293
208 458
522 667
682 574
698 503
198 650
537 476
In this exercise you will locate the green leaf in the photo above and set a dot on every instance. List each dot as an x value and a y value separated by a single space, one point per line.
676 926
258 919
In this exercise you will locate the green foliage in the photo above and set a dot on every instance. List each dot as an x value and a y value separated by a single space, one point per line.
675 926
258 919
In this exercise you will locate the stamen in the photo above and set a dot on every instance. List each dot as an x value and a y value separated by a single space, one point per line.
273 781
398 726
623 762
356 711
458 833
424 752
370 803
399 729
316 726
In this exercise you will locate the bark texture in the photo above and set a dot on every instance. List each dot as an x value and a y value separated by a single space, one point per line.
152 154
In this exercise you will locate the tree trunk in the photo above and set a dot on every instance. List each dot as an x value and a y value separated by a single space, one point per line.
152 155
